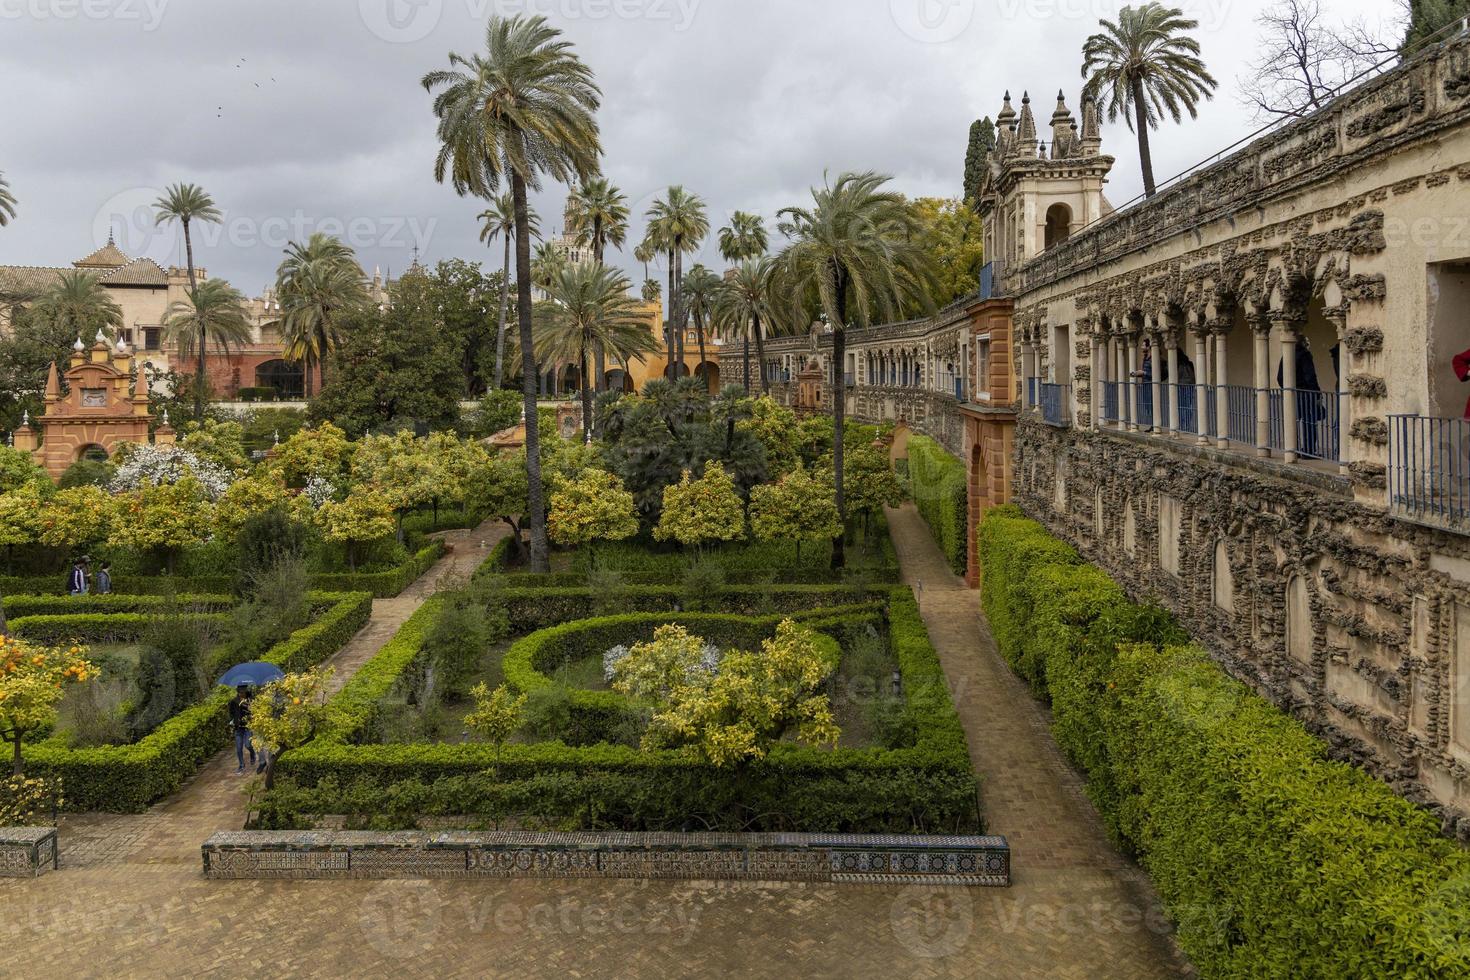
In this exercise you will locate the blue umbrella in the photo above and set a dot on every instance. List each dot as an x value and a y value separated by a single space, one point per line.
256 673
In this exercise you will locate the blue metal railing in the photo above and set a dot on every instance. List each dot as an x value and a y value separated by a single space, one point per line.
1110 402
1275 422
1056 408
1033 391
1240 402
1429 470
959 389
1318 424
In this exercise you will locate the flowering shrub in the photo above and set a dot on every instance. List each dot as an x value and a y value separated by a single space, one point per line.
319 490
23 800
151 466
709 660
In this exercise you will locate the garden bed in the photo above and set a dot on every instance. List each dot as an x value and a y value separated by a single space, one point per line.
927 785
128 777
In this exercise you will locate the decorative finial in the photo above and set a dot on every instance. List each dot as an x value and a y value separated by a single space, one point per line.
79 346
1025 98
101 337
164 419
277 437
25 418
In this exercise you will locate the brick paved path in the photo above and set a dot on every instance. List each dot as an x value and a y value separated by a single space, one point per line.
130 900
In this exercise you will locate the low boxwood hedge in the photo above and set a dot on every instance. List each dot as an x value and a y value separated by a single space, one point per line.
17 606
940 489
1273 859
96 627
383 585
531 608
127 778
929 786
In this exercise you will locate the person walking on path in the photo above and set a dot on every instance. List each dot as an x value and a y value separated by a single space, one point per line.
76 580
103 578
240 726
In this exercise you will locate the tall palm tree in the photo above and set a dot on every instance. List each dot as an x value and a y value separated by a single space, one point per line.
522 109
748 303
598 216
499 219
316 284
214 312
78 302
590 308
546 265
743 238
701 289
855 252
678 222
186 204
7 203
1146 66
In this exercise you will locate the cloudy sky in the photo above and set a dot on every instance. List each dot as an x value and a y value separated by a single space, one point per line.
303 115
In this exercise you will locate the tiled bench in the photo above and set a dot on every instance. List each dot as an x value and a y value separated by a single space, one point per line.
26 852
836 858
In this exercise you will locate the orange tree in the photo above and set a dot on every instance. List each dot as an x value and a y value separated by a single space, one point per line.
32 682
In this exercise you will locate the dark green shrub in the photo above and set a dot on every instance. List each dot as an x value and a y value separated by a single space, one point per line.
87 473
266 539
940 490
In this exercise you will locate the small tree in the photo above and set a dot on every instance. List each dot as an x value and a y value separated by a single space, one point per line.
496 716
19 520
734 716
871 483
401 469
593 507
366 515
261 491
498 485
323 452
75 517
288 713
798 507
651 671
702 511
778 429
33 680
164 517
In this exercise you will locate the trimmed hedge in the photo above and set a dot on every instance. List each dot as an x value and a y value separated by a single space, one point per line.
531 609
95 627
383 585
928 786
127 778
1273 859
17 606
941 493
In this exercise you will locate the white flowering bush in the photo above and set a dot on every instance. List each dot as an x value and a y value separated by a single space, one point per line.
151 466
319 490
709 661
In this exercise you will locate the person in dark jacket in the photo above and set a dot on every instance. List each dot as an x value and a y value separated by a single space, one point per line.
103 579
1311 406
240 726
76 579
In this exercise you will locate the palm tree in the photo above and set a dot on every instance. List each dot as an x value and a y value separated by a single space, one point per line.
743 238
215 312
78 302
497 220
598 217
315 285
1147 66
854 253
746 302
678 223
701 288
591 308
187 203
546 265
7 205
522 109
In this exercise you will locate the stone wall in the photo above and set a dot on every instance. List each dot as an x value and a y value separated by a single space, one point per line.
1355 622
833 858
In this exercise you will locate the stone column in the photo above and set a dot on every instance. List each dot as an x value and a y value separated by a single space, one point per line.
1288 385
1120 378
1155 380
1221 378
1201 378
1095 369
1337 316
1132 382
1172 344
1260 324
1028 371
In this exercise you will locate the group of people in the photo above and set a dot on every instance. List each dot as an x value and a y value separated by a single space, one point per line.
240 706
81 580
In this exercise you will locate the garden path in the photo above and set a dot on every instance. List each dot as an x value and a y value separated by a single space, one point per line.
130 898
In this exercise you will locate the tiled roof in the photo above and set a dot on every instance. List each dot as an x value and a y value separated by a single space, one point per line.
109 256
21 280
138 272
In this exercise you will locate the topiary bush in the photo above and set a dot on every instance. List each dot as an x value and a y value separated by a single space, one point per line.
940 490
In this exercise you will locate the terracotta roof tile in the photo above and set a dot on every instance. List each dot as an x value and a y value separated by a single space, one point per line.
138 272
109 256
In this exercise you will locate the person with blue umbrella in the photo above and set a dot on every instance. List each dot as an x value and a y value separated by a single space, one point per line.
244 677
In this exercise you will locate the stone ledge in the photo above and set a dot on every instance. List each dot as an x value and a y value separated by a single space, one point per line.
824 858
27 852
